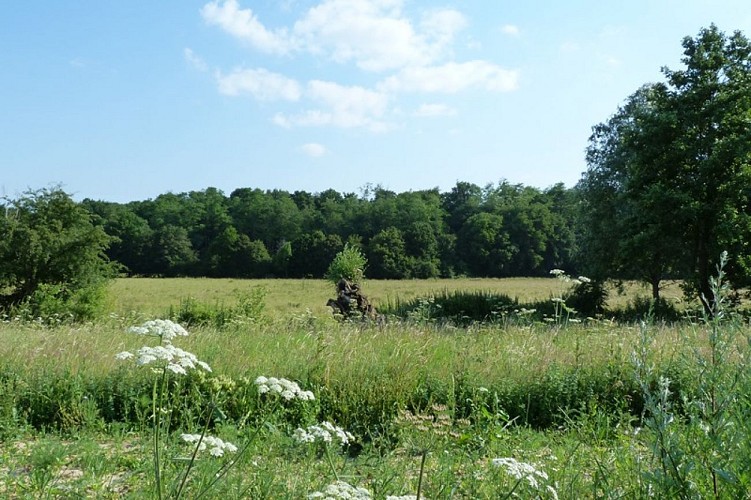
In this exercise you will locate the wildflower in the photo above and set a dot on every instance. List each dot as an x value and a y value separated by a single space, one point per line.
287 389
325 432
216 446
341 490
521 470
402 497
172 358
557 272
584 279
165 329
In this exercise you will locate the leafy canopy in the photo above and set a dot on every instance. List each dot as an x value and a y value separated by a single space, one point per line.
51 256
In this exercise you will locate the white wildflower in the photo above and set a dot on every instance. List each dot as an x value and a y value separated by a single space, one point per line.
285 388
167 357
342 490
584 279
557 272
165 329
325 432
521 470
216 446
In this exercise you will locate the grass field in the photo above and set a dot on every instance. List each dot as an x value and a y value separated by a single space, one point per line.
154 296
524 408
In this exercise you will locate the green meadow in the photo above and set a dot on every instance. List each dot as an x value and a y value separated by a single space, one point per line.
498 409
154 296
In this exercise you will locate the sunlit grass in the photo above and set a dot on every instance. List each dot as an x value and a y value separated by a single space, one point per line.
154 296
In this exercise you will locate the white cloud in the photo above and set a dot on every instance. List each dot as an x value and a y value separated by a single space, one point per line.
374 34
453 77
195 62
260 83
510 30
370 35
431 110
339 106
244 25
314 150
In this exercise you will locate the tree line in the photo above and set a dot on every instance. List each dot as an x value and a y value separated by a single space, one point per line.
498 230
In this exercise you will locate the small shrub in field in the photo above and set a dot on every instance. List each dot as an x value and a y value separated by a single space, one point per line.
349 264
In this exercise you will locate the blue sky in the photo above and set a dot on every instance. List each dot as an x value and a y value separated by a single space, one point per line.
124 101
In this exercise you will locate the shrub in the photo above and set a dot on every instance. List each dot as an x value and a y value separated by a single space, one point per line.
349 264
52 260
456 306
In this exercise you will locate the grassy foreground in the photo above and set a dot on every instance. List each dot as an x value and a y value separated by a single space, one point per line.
533 410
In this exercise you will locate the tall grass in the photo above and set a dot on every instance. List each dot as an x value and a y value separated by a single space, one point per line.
598 409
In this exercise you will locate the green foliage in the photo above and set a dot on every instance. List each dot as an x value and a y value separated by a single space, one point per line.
700 439
52 259
348 264
460 307
666 185
249 308
587 297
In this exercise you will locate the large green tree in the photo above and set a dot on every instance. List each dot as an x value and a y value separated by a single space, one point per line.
669 175
51 255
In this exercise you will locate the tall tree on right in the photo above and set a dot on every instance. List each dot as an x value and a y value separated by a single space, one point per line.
668 183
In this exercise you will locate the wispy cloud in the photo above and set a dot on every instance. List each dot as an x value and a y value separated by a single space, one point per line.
194 61
260 83
452 78
510 30
431 110
339 106
244 25
313 149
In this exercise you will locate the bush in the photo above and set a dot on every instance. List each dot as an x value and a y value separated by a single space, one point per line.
52 261
458 306
349 264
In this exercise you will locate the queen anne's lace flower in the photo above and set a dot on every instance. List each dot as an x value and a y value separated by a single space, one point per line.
285 388
216 446
325 432
521 470
341 490
165 329
167 356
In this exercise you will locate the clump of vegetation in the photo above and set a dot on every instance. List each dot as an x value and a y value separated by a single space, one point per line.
349 264
52 262
249 308
459 307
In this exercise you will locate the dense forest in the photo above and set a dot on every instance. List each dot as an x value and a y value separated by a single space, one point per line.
499 230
